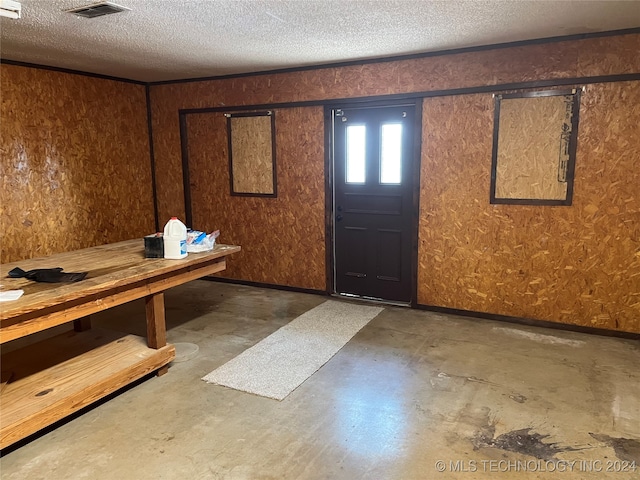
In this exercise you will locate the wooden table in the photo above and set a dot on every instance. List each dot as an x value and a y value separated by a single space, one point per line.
45 382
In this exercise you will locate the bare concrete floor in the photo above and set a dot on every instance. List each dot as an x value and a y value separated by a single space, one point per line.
414 395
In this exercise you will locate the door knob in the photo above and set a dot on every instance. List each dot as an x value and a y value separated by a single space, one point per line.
338 218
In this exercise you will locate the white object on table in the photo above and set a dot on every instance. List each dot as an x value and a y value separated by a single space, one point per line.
10 295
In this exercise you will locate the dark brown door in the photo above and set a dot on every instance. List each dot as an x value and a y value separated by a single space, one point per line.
373 155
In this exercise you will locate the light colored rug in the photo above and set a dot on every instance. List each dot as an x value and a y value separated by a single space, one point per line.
277 365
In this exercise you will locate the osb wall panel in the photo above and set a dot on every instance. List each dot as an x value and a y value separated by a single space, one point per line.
251 154
74 164
497 66
577 265
282 238
528 153
609 56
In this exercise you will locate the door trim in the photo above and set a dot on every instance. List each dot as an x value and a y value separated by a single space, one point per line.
328 200
186 181
415 103
415 224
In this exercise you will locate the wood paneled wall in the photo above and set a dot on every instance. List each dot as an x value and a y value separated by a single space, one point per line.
74 164
577 265
282 238
569 59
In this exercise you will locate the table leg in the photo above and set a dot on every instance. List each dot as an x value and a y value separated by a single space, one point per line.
82 324
156 328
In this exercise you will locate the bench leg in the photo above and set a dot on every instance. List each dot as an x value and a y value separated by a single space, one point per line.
82 324
156 328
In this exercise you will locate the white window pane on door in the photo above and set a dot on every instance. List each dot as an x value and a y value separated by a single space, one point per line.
391 153
356 149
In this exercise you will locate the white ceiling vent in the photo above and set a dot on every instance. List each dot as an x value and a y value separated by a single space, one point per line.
10 9
98 9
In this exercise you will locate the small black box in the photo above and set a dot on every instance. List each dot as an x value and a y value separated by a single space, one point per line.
154 246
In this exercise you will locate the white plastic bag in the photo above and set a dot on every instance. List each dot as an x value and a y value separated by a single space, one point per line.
201 242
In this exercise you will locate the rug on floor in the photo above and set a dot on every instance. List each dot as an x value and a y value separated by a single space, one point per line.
280 363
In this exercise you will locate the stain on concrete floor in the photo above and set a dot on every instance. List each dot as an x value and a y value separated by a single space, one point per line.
521 441
627 449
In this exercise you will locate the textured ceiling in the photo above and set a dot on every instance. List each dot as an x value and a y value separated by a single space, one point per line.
176 39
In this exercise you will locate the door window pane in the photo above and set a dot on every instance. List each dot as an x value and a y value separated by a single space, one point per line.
355 163
391 153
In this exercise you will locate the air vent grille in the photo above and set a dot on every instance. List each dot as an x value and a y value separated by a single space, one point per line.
98 10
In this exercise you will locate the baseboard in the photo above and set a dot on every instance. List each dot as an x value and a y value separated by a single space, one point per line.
454 311
531 322
273 286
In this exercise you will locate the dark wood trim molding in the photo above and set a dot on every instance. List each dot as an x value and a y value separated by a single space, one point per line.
452 311
70 71
154 187
410 97
274 172
328 199
186 182
417 162
272 286
531 322
573 141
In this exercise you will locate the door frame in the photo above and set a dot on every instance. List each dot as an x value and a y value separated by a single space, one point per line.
329 154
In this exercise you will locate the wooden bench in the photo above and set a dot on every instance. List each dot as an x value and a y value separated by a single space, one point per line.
47 381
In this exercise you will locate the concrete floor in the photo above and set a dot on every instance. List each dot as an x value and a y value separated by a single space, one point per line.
414 395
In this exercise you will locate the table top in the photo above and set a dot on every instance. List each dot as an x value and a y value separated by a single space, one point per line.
108 266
